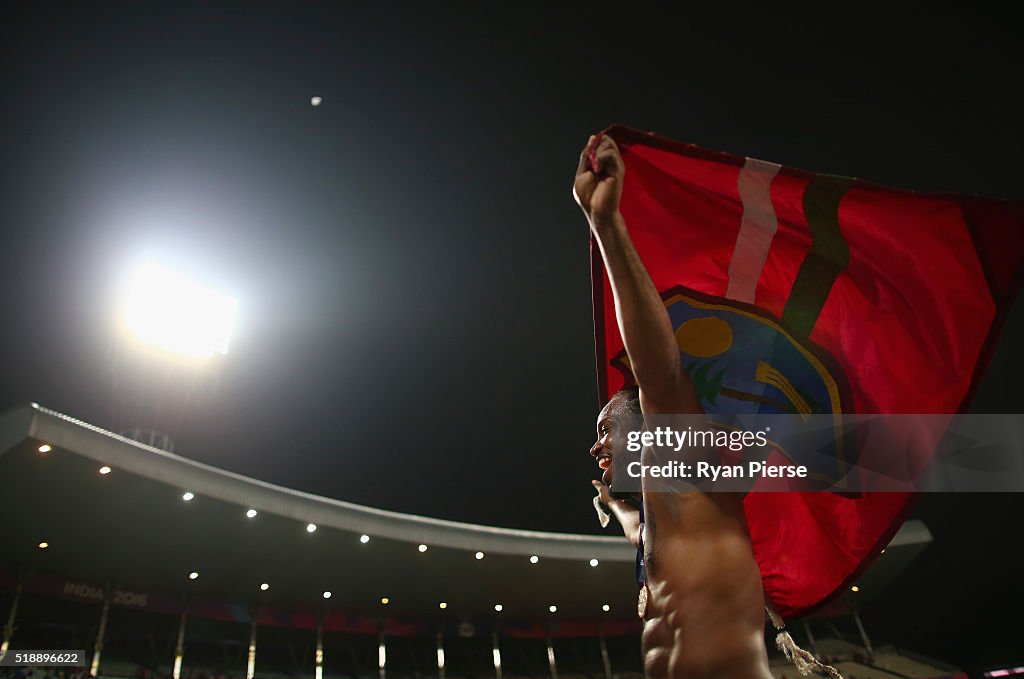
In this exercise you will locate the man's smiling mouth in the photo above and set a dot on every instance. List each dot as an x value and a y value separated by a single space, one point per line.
604 461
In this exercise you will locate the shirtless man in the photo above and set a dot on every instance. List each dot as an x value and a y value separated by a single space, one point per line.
702 601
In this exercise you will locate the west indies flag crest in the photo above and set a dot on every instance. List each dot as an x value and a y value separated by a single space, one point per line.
794 292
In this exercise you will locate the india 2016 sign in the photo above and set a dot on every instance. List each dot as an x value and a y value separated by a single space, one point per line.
120 597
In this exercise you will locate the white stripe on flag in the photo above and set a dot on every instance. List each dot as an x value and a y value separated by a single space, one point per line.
757 228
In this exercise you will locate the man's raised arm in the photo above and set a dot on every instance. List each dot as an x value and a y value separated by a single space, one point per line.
643 321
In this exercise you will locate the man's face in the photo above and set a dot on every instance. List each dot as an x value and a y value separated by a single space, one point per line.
608 436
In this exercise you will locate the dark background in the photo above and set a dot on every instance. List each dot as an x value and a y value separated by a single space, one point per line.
415 323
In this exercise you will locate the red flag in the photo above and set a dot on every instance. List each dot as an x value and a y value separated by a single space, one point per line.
797 292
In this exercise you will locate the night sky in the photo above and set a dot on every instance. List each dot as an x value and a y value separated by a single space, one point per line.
415 324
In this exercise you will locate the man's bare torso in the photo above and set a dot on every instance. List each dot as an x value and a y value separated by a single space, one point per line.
704 614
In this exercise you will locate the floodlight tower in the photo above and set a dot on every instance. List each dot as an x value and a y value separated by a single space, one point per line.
174 334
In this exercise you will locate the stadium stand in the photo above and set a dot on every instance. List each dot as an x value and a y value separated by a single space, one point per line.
129 538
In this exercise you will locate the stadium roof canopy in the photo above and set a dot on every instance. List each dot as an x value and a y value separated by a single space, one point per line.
132 529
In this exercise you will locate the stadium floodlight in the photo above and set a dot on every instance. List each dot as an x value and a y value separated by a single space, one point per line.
45 448
364 539
534 559
311 528
498 607
606 608
187 496
553 609
251 513
594 562
855 588
422 548
193 575
385 601
104 470
166 309
44 545
479 555
264 587
327 595
443 605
